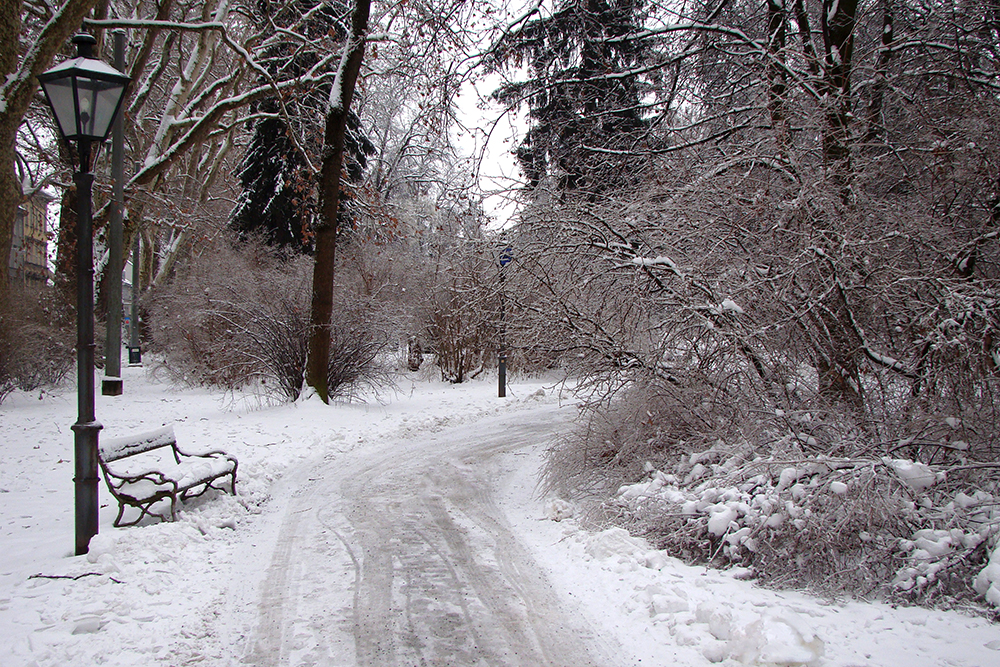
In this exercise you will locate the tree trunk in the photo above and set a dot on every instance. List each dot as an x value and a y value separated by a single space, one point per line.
805 36
65 273
10 195
774 70
330 175
10 189
838 36
881 84
17 89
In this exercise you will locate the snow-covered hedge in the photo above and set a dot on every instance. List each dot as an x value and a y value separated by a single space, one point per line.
238 319
861 525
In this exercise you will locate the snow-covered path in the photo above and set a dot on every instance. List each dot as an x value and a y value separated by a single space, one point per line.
400 555
193 591
404 530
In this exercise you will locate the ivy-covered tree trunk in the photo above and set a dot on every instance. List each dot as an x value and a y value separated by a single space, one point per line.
334 139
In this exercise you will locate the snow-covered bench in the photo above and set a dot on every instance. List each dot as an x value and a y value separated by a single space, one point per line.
144 474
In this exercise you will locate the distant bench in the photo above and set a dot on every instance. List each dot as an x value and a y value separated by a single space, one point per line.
149 476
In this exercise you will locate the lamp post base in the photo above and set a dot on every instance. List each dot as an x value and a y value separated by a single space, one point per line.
85 483
502 377
112 387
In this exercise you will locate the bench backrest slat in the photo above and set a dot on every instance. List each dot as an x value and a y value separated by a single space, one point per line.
113 449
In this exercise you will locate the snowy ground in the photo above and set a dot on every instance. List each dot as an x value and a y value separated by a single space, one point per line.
190 592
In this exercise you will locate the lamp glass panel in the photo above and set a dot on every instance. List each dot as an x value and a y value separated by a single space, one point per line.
98 103
107 106
60 93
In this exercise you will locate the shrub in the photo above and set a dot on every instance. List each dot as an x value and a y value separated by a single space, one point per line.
867 526
463 340
802 498
238 318
463 317
37 338
361 336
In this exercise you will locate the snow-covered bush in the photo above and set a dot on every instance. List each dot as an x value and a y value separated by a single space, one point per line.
359 340
860 525
36 341
463 340
616 438
463 316
744 312
238 317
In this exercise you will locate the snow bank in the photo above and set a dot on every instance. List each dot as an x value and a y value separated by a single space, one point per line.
781 638
162 594
614 542
717 627
664 612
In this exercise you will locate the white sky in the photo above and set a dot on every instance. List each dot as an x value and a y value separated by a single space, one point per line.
492 137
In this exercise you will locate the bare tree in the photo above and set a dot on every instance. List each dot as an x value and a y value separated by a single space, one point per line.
341 96
816 234
238 319
437 32
23 57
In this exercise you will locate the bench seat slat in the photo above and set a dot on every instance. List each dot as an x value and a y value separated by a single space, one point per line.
113 449
144 489
191 474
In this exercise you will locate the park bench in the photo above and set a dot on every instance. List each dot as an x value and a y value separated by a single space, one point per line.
149 468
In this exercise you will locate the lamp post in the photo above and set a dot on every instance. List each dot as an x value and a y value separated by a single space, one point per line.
112 384
85 95
505 258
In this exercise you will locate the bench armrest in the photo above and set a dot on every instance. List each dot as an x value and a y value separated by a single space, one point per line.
206 455
120 481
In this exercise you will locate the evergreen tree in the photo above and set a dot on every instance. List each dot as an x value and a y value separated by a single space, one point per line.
585 97
279 189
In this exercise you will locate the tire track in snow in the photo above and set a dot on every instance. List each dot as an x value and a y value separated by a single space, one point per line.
306 588
274 593
410 561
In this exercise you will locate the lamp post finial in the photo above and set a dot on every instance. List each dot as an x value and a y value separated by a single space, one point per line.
84 44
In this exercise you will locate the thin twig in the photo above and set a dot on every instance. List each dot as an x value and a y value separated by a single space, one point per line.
72 577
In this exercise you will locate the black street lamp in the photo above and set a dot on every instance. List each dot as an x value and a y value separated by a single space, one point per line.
506 255
85 95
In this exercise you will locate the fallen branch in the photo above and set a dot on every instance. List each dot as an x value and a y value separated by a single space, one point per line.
72 577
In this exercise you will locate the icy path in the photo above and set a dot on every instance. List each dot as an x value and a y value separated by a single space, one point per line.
396 532
400 555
